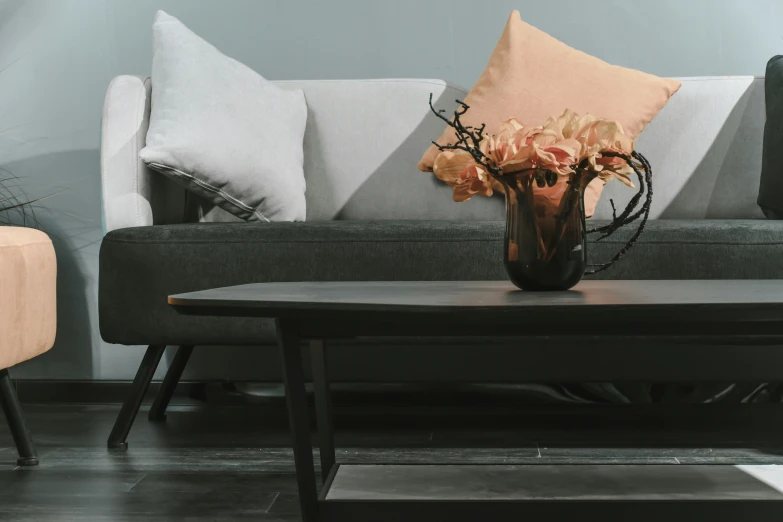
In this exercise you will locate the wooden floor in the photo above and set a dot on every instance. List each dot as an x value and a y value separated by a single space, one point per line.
230 461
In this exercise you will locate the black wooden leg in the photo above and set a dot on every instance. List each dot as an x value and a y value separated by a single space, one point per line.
131 406
298 418
173 375
323 407
13 414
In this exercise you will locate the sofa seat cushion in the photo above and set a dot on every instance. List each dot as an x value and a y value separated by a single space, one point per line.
695 249
140 267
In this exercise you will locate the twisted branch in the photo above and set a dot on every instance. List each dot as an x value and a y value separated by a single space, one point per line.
625 218
469 138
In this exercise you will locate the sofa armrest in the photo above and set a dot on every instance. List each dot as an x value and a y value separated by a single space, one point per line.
132 195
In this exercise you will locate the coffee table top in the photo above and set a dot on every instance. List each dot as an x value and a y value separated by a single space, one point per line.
734 300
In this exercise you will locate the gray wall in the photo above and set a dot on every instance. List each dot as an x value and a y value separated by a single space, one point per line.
57 56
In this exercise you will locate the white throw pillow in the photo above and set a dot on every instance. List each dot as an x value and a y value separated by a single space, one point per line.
221 130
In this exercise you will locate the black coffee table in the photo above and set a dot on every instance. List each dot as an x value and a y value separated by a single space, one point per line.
628 330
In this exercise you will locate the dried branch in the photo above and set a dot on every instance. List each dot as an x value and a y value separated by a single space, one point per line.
469 138
626 217
645 181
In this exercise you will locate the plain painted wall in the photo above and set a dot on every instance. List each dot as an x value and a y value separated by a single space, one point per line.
58 56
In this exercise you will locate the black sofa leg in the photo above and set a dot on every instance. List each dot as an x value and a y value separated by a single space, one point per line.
13 414
158 409
122 426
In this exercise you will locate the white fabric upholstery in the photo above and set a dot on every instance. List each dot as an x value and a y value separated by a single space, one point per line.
362 143
705 150
132 194
364 138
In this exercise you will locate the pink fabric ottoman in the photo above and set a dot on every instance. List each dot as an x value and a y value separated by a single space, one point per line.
28 317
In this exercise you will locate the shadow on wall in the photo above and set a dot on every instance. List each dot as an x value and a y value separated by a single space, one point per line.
397 189
726 182
724 185
72 220
8 8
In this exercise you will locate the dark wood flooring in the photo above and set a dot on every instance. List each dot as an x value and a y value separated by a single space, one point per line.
229 459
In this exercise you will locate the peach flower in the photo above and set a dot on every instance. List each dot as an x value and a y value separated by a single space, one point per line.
503 146
461 172
534 147
559 145
570 123
602 136
552 150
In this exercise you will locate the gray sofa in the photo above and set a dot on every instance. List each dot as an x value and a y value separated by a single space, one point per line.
372 216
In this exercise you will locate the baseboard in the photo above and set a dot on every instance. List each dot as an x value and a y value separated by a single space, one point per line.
34 391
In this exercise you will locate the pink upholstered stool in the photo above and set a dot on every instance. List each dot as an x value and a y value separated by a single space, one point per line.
28 317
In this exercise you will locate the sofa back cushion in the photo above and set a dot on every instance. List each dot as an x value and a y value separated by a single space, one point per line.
364 138
362 142
705 150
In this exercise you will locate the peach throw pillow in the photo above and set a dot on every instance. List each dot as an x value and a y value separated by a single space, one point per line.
532 76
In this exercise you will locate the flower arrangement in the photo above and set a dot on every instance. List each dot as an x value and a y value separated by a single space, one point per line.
570 150
559 147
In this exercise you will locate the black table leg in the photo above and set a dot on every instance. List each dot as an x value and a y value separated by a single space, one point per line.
298 418
323 407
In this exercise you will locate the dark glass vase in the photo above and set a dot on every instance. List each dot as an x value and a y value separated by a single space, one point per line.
545 248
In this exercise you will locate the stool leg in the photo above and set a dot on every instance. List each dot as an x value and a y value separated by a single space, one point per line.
166 391
122 426
13 413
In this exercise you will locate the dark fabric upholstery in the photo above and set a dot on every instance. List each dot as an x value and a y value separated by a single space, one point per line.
140 267
771 188
696 249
